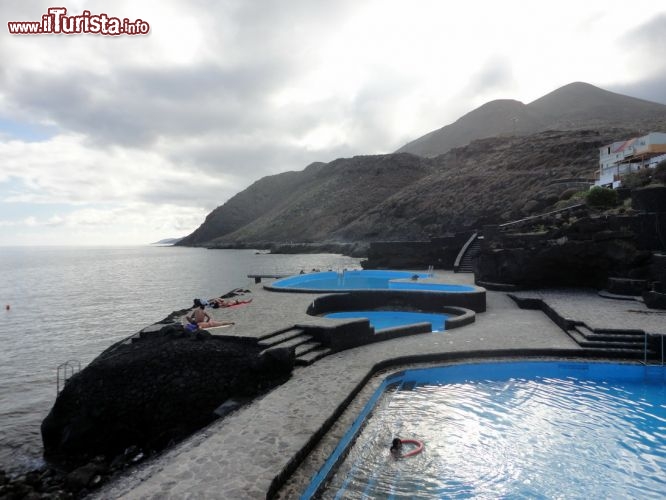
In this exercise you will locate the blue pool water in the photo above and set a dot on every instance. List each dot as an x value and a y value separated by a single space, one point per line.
390 319
508 430
363 280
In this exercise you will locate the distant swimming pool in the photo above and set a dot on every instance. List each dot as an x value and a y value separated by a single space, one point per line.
390 319
363 280
508 430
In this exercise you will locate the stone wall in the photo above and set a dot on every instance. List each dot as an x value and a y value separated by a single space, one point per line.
438 252
585 253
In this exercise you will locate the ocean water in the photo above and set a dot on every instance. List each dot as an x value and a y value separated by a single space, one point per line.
71 303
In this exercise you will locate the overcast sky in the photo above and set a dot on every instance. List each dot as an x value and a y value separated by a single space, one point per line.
131 139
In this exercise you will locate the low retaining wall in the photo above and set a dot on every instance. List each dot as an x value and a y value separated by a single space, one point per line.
430 301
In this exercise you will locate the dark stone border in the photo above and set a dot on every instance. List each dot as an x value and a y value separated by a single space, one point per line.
474 299
430 301
458 316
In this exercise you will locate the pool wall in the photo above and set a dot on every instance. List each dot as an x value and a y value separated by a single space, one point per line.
339 336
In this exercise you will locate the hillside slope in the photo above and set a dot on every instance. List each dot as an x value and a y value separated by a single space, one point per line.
265 195
329 200
489 181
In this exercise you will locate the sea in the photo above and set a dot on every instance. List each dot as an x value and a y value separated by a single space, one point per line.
64 304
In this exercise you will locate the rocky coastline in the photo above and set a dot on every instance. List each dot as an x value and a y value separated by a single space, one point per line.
138 398
350 249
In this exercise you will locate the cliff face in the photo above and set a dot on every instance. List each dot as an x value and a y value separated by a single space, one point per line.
313 205
263 196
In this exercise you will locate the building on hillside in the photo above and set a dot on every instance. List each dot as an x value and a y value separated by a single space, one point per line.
621 158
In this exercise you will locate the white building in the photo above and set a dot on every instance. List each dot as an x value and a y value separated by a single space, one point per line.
620 158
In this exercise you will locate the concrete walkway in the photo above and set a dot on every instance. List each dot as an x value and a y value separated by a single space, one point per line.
600 313
241 455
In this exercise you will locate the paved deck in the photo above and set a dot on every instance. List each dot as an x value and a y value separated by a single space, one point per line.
241 455
600 313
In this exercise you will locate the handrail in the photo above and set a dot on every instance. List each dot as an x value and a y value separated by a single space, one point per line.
520 221
461 254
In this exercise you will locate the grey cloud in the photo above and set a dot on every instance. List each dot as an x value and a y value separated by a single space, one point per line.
260 159
371 111
647 43
239 166
261 44
196 192
650 35
651 89
496 74
137 106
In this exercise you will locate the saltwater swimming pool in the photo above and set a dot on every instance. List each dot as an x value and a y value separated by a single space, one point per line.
508 430
381 320
331 281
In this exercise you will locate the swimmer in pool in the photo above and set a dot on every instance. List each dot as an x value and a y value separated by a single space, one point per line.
396 447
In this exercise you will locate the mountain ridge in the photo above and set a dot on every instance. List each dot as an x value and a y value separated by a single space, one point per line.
575 106
515 172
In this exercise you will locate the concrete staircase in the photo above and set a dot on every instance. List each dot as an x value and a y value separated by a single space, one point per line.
623 343
307 349
471 254
467 254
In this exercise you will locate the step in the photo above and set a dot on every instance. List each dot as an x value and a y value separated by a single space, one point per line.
280 332
608 336
280 337
307 347
312 356
291 341
584 342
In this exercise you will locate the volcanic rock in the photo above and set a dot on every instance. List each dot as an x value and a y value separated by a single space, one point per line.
152 390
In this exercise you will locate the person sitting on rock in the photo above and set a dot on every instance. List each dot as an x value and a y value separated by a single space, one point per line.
200 319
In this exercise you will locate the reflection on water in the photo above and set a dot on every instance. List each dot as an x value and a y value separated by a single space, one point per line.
524 438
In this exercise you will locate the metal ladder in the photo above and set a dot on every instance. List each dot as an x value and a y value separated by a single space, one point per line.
66 371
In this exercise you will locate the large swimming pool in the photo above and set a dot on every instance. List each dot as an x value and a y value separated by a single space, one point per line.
331 281
508 430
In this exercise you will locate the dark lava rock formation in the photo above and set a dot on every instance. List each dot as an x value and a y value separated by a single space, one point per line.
582 251
150 391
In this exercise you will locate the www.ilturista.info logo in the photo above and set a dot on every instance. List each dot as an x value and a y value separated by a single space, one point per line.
57 22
